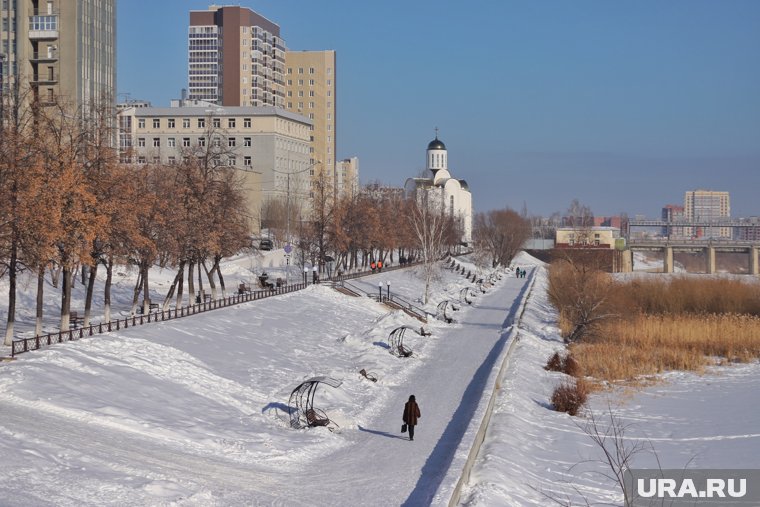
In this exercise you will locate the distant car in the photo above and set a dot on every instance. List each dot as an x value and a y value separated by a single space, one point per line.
265 244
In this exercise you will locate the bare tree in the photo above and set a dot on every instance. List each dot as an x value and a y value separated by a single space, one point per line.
581 292
429 224
501 233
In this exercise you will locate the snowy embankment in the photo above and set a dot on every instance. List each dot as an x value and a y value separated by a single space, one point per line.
534 456
193 412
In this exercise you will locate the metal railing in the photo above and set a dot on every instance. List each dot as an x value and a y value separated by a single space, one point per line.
22 345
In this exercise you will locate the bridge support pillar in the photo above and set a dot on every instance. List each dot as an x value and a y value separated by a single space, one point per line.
667 265
754 265
710 260
626 261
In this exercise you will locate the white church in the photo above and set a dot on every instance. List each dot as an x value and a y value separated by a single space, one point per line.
448 193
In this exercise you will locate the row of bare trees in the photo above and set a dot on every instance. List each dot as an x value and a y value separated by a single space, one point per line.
69 204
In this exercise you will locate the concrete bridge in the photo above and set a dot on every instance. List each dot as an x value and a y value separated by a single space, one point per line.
710 247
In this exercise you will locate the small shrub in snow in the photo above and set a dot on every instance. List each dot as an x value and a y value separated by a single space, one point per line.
570 396
563 363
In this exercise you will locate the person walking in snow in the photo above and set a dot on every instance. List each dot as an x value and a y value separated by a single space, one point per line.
411 414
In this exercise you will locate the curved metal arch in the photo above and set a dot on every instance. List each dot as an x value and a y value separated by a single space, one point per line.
466 295
444 309
302 413
396 342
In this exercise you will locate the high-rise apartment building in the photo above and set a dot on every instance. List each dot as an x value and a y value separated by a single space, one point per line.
62 49
707 206
236 58
310 88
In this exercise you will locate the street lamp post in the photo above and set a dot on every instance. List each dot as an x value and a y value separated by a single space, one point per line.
380 287
388 297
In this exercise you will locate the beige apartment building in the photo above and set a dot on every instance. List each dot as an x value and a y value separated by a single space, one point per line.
707 206
268 146
236 57
63 49
310 90
347 177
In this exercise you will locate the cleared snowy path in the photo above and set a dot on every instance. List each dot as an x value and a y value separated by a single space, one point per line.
381 466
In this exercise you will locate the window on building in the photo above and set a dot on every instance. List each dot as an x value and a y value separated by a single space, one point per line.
156 123
247 161
231 142
185 123
186 142
171 143
311 105
231 123
300 70
300 82
217 123
201 123
156 142
217 142
170 123
246 123
156 160
246 141
141 123
311 70
201 141
172 161
311 93
231 161
141 142
141 160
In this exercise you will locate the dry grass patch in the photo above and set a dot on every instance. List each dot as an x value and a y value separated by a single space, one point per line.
651 344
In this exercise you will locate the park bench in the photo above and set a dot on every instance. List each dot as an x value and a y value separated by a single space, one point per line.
244 289
75 320
151 308
264 281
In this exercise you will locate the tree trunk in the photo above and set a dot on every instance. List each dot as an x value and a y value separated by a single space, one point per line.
12 274
200 280
107 291
92 271
177 279
181 275
55 272
191 283
144 266
68 277
40 294
136 291
217 262
210 277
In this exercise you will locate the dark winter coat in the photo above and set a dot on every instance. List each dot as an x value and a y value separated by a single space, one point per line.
411 413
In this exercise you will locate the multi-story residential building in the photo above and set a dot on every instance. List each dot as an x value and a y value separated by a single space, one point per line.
310 89
62 49
707 206
236 57
347 177
268 146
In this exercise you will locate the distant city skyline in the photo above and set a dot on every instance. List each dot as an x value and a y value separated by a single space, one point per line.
624 106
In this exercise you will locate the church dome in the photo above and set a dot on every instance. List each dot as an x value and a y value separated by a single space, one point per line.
436 144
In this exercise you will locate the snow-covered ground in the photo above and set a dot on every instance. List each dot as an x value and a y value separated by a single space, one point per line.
193 412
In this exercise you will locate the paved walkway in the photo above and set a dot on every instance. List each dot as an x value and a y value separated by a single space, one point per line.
380 466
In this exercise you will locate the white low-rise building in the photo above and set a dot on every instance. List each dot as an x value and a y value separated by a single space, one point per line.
443 191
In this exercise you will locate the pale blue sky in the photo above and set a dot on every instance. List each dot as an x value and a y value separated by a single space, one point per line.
622 104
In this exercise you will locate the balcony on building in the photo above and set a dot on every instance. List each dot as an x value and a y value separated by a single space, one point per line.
44 56
43 27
